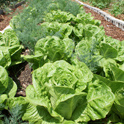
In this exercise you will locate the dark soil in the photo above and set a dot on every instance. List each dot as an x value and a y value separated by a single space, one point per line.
21 73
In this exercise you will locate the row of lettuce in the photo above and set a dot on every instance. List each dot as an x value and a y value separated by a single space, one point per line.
78 71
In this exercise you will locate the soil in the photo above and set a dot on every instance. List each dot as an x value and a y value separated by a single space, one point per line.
21 74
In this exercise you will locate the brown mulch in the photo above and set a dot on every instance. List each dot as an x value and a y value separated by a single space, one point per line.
21 74
110 29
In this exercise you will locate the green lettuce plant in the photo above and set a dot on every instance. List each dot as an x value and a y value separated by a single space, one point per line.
10 49
64 93
26 24
117 85
51 49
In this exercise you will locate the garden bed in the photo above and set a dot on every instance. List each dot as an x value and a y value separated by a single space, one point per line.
67 69
22 74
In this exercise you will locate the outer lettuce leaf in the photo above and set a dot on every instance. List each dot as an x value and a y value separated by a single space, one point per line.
66 98
11 89
10 55
37 114
3 98
36 60
5 57
117 88
97 103
15 52
116 44
51 49
119 101
7 87
118 74
105 64
39 108
4 79
107 51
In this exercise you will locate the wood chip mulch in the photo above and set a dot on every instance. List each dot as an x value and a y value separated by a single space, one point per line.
110 29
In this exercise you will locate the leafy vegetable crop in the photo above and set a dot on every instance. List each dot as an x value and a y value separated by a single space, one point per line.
78 71
10 49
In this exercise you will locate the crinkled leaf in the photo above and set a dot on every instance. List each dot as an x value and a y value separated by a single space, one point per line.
86 18
117 45
105 64
5 58
37 114
70 76
58 16
10 38
57 29
40 105
119 101
97 104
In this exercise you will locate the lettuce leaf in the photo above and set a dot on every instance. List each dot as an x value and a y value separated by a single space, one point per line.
10 49
8 87
51 49
62 92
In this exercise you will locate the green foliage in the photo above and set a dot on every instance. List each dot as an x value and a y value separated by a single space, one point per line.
26 24
7 87
117 8
10 49
51 49
77 70
14 117
99 3
59 93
